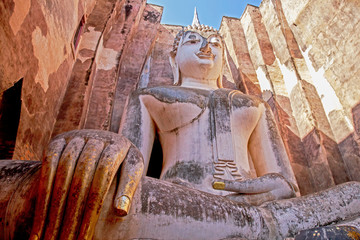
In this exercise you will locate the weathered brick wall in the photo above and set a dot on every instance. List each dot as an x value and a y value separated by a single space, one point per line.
36 39
133 60
71 114
304 53
159 66
327 33
238 57
268 57
115 51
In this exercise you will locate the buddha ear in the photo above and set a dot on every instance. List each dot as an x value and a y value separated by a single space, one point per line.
175 69
220 78
219 81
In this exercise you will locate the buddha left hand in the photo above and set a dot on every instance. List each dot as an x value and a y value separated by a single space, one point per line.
272 186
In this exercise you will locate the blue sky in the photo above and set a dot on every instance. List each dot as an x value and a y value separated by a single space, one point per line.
181 12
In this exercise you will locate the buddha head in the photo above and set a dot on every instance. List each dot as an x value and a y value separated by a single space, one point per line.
198 53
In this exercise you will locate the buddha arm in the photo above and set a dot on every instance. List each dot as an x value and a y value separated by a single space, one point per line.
275 176
138 126
267 149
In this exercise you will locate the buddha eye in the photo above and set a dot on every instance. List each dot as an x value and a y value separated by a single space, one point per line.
191 41
216 42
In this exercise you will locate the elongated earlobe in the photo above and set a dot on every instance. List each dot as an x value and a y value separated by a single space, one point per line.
219 81
175 69
220 78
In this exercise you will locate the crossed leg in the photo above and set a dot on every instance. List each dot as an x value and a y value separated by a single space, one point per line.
163 210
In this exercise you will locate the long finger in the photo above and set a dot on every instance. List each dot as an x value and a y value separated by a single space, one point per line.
80 186
108 165
63 179
254 200
131 173
257 185
48 170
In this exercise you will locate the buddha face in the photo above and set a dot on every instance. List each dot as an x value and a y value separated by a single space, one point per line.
198 57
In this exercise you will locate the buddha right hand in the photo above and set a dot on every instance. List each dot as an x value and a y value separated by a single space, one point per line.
76 174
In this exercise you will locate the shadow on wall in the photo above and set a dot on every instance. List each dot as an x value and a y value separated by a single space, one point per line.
356 118
234 72
10 109
160 69
242 80
350 146
317 159
293 145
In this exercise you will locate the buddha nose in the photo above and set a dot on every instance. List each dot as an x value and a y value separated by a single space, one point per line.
205 48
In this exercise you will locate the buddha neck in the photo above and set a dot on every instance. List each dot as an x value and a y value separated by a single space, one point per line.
189 82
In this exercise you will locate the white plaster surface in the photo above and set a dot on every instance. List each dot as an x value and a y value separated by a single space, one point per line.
89 40
48 53
263 80
290 78
106 58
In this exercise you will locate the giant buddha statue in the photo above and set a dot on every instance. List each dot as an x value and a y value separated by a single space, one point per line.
213 139
225 173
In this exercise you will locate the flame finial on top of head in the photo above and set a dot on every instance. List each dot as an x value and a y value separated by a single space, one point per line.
195 21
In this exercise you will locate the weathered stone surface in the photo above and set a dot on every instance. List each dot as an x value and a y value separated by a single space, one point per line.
73 107
329 151
330 47
314 84
183 216
135 55
118 32
331 232
350 151
276 74
238 55
294 145
160 69
320 112
10 177
36 43
76 174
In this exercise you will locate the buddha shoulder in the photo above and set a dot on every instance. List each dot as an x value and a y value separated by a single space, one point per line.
172 107
173 94
199 97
